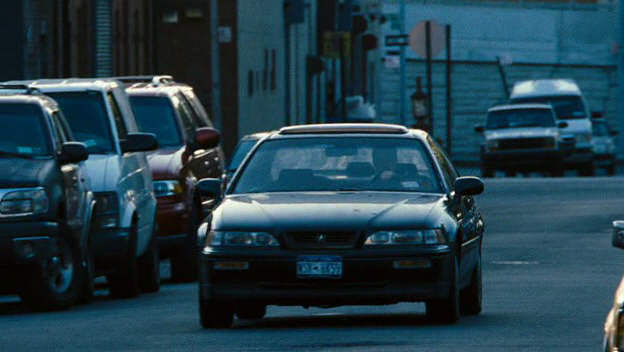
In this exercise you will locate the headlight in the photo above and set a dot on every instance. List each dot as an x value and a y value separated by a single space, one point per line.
492 144
106 210
167 188
412 237
24 202
241 239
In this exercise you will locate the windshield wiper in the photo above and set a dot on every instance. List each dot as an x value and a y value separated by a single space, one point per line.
16 155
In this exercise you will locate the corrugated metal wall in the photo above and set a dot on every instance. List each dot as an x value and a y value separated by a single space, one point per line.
477 86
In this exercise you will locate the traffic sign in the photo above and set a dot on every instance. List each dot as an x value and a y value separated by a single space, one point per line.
418 39
397 40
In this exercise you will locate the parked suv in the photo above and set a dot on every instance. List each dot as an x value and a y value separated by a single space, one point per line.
570 106
99 114
45 203
523 137
189 151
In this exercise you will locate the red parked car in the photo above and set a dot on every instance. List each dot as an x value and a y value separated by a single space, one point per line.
189 151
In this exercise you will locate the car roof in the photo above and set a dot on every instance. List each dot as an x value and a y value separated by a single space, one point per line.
70 84
545 87
520 106
146 89
257 135
16 94
344 128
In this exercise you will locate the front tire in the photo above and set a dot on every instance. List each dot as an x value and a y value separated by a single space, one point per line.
57 283
446 311
216 315
251 311
471 297
125 282
185 265
149 266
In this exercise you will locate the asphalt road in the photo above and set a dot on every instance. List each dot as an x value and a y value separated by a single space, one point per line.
550 274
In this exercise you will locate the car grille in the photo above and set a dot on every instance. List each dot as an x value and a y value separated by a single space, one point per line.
526 143
321 240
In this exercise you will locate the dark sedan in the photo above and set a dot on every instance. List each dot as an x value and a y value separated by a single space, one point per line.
342 214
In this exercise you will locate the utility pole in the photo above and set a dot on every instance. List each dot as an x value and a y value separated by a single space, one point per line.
403 68
620 75
215 83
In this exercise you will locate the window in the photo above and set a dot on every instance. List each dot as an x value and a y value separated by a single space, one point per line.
197 121
185 116
58 129
156 115
448 171
120 124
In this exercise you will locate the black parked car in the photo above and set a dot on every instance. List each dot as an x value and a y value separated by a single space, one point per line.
343 214
45 204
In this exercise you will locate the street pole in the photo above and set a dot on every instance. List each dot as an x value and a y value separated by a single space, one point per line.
620 74
449 96
429 76
403 73
214 63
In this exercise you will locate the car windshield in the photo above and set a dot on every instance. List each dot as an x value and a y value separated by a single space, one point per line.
86 115
241 152
23 131
518 118
600 129
339 164
566 107
156 115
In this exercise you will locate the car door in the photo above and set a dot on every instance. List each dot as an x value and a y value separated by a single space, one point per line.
133 167
75 181
203 163
465 212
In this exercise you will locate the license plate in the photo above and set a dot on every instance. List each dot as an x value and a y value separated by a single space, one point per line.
319 267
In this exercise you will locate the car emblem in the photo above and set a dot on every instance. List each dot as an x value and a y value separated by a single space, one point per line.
321 238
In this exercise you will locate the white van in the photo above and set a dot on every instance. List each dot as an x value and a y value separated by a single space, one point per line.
570 106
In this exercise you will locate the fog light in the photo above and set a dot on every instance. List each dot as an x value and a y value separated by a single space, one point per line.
418 263
231 266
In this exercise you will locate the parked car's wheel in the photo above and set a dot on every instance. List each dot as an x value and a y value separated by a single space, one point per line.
471 297
251 311
215 315
487 171
57 283
125 282
587 170
185 265
149 266
446 311
612 168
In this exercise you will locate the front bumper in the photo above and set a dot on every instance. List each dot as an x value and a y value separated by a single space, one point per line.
538 158
26 242
368 277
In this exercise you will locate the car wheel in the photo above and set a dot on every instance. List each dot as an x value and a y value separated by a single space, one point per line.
149 266
251 311
57 283
446 311
125 282
612 168
185 265
471 297
587 170
215 315
487 172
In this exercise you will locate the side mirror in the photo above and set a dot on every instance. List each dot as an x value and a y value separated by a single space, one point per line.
210 188
479 128
73 153
139 142
618 234
207 138
469 186
596 114
562 124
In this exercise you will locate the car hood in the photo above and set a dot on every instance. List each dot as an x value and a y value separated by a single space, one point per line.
166 163
17 172
526 132
309 211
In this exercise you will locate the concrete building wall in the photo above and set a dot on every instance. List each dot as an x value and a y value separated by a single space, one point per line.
11 48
